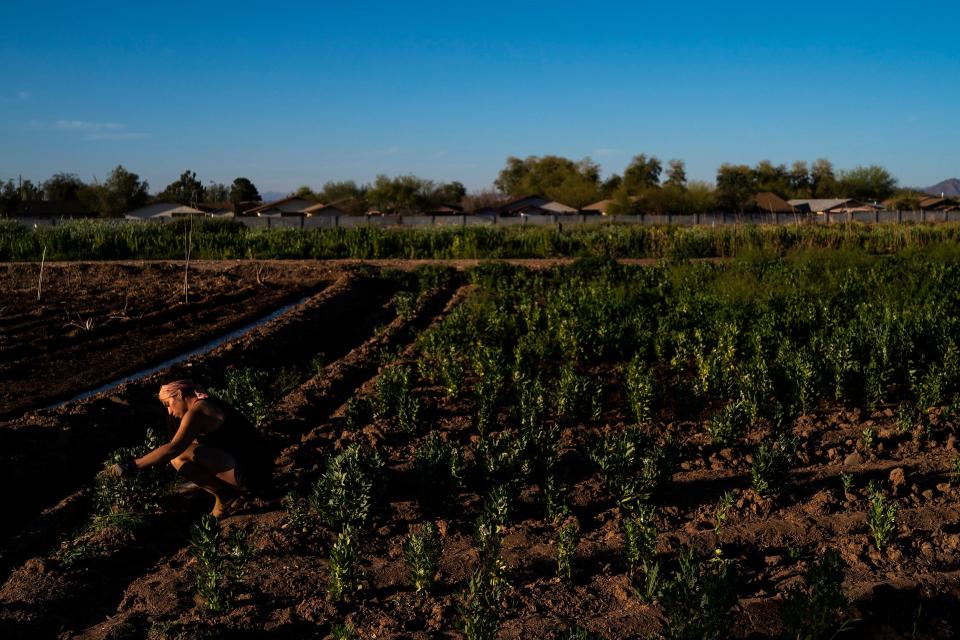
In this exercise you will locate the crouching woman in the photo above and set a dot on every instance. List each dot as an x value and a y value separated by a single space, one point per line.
215 447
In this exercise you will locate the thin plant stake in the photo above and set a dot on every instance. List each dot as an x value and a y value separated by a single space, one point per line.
40 279
187 242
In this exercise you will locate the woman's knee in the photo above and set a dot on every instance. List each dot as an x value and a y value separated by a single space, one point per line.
181 460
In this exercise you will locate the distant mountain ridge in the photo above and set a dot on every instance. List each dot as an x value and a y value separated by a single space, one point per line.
270 196
949 188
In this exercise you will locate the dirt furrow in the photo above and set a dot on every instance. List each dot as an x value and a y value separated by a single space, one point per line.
75 439
320 395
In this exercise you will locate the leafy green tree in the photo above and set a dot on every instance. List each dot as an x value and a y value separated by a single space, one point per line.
823 181
610 186
217 193
676 174
701 197
62 186
799 177
241 192
122 191
448 193
642 173
186 190
306 193
551 176
735 186
403 194
9 198
770 177
622 203
346 195
904 201
866 183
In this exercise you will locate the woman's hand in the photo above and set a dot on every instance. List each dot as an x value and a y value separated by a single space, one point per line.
121 469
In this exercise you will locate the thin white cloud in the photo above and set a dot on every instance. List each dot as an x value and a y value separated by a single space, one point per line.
82 125
119 135
23 95
440 154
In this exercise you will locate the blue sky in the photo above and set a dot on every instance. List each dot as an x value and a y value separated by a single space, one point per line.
293 93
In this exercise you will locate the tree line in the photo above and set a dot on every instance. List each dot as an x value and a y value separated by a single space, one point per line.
647 185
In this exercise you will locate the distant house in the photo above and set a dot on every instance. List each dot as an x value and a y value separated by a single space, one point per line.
217 210
291 206
833 205
533 205
444 210
320 209
159 210
769 202
939 204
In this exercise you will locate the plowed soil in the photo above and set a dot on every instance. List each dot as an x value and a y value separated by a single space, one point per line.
139 584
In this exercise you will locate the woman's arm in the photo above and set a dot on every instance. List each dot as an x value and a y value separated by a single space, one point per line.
193 424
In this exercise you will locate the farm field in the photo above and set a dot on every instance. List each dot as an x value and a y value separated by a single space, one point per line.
754 448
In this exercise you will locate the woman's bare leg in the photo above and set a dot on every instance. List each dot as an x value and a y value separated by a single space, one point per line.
211 469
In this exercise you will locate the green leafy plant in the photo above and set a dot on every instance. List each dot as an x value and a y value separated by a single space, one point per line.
722 512
641 392
392 386
814 609
438 465
480 601
122 501
254 391
405 303
568 536
697 599
640 549
409 414
632 466
220 564
345 575
955 471
729 424
299 518
881 516
770 471
359 412
846 481
343 495
344 631
422 554
868 438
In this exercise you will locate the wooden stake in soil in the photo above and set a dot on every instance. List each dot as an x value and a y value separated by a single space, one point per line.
187 241
40 279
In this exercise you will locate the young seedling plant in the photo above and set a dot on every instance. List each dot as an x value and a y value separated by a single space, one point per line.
568 535
221 562
881 517
813 610
422 554
345 576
